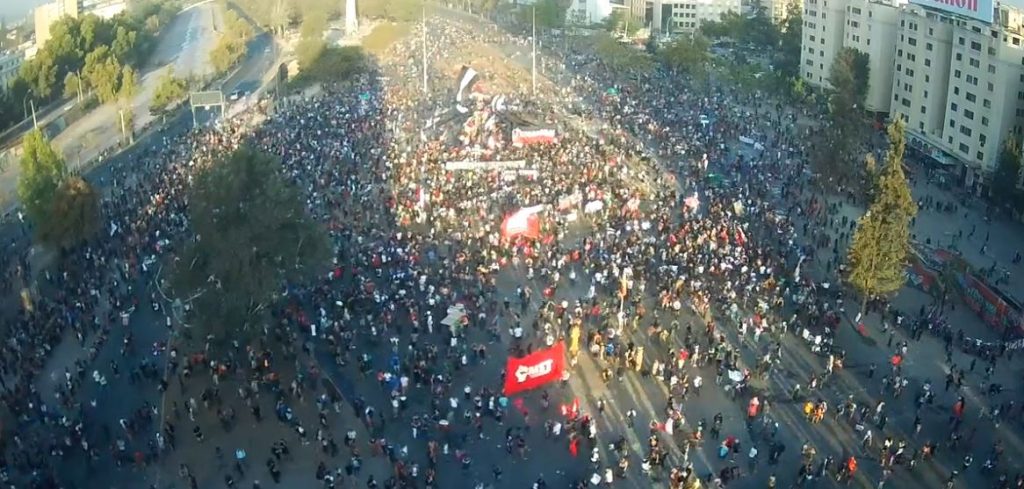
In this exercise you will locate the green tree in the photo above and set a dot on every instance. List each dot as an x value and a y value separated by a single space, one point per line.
152 25
103 73
550 14
619 58
168 92
847 125
128 83
42 171
73 86
618 22
787 57
253 235
74 214
1007 175
686 55
878 255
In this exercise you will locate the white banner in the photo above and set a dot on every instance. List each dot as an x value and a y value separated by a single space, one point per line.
485 165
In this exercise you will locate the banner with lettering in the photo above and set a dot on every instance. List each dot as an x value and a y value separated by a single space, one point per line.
534 370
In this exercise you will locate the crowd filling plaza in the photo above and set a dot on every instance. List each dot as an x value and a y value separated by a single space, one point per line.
489 250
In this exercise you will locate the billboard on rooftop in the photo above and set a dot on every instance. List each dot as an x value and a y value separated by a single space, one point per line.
982 10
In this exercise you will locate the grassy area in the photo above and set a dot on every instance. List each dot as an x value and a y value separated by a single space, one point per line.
383 36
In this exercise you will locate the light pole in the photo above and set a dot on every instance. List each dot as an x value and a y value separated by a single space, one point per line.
423 40
534 59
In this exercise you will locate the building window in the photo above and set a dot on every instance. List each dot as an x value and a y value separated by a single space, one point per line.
969 114
981 156
956 73
953 107
959 57
984 121
952 124
975 45
912 41
922 109
966 131
965 149
926 94
975 63
928 46
986 103
905 102
970 97
956 90
927 61
982 139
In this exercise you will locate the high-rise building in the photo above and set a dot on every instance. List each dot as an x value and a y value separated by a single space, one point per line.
870 27
959 85
823 37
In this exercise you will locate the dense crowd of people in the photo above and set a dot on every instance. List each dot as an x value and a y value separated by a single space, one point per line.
659 266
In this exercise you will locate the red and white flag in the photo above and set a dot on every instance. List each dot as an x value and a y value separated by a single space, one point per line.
524 222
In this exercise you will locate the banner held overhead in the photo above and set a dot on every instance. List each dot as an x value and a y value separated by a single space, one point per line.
534 370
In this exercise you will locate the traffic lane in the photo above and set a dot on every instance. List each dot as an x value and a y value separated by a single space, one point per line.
261 53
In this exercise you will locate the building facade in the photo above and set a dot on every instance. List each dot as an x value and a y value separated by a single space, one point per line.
10 62
779 10
686 16
959 86
870 27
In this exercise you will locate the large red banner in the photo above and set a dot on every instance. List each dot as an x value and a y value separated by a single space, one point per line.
535 369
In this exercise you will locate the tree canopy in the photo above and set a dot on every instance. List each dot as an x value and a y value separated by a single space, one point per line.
167 93
74 214
1004 189
686 55
618 57
878 254
847 125
64 210
42 171
550 14
252 237
231 45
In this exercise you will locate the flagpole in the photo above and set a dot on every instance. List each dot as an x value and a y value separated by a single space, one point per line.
424 42
534 60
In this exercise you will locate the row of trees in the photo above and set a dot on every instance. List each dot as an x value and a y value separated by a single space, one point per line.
87 55
230 46
1005 191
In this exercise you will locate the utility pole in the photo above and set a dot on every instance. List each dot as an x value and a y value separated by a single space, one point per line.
125 134
424 42
534 61
79 75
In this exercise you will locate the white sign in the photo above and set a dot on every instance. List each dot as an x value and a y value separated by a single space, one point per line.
982 10
524 372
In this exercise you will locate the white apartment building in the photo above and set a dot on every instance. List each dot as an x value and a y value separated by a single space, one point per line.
686 16
778 10
823 35
959 85
870 27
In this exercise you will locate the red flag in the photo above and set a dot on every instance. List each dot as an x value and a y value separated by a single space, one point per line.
574 447
535 369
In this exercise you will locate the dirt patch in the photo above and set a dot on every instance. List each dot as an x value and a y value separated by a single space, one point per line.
498 72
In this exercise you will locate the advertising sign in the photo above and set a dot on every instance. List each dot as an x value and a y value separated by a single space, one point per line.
982 10
535 369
